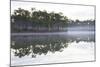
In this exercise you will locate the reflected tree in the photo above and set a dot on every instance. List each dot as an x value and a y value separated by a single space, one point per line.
43 44
37 46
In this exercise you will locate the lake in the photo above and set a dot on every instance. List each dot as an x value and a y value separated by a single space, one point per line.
55 47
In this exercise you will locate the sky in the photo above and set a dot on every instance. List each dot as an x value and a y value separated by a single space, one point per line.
71 11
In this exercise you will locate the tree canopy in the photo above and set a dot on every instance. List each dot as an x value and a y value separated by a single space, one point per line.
41 20
39 17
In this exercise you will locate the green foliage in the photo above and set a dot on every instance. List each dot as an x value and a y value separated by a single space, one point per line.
39 17
21 14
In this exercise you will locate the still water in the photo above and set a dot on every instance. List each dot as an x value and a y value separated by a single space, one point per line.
55 47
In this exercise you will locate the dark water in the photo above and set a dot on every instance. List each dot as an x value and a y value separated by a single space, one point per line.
42 46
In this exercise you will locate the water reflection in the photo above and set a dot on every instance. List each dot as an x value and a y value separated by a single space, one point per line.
42 44
36 45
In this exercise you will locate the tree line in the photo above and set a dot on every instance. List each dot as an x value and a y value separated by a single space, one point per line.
38 20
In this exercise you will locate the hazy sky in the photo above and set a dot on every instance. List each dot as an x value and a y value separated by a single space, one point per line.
71 11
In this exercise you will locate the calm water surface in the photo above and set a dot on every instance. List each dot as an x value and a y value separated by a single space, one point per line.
55 47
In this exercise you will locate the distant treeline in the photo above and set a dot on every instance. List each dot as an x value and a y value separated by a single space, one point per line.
39 21
81 23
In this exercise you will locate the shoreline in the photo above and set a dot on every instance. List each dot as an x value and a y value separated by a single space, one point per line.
54 33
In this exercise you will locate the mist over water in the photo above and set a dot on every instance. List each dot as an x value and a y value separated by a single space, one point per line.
46 33
75 44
